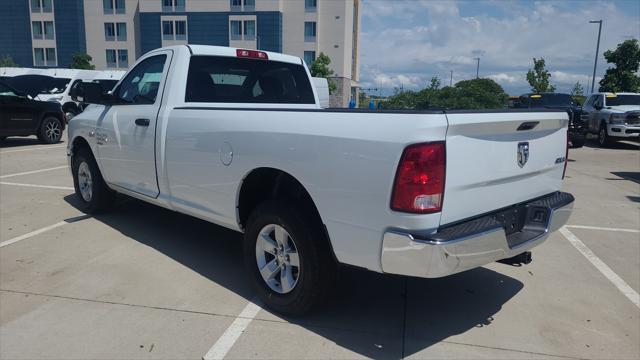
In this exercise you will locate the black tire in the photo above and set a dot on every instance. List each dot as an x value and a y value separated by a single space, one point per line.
603 138
578 143
101 197
50 131
317 271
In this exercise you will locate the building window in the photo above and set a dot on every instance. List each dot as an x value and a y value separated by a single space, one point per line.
309 31
38 57
249 30
172 5
35 6
51 57
236 30
47 6
309 57
111 58
181 30
242 30
120 8
236 5
167 30
243 5
36 29
121 31
48 30
107 6
109 32
310 5
123 58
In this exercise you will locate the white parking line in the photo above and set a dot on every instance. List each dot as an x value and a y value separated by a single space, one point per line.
44 229
31 149
602 267
38 186
220 349
33 172
635 231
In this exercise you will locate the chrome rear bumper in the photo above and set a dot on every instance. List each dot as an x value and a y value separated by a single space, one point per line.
476 242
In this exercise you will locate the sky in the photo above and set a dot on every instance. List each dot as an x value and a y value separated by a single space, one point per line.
404 43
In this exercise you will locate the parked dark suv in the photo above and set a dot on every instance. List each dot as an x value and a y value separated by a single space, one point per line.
565 102
20 115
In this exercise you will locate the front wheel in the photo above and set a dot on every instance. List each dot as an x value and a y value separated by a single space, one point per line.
288 259
603 137
50 131
94 195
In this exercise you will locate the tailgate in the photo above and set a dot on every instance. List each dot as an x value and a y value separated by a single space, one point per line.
488 167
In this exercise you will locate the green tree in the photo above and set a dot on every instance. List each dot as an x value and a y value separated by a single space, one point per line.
320 68
467 94
363 101
577 93
538 77
471 94
623 76
7 61
82 61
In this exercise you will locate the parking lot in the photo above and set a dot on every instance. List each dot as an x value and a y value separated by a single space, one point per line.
144 282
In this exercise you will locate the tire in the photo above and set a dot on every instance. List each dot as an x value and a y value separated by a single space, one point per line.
315 274
578 142
50 131
603 138
93 194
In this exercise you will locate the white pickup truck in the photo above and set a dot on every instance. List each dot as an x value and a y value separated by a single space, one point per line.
237 137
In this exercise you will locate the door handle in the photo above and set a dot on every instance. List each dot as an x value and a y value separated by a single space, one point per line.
142 122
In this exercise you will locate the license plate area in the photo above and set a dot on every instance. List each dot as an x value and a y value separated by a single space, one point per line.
523 223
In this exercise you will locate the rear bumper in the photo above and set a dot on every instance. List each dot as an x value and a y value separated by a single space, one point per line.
475 242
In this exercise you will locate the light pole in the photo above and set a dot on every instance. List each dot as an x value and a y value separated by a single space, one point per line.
451 80
477 67
595 62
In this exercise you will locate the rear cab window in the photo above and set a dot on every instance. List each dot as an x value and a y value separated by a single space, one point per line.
219 79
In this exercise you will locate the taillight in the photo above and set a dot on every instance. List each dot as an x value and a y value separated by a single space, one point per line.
419 183
566 156
254 54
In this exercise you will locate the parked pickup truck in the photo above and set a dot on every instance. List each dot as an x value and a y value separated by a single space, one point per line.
237 137
613 116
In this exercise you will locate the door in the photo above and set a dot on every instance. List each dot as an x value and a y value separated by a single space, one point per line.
17 112
126 133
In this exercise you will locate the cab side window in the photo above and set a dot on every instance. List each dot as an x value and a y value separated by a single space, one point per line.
142 83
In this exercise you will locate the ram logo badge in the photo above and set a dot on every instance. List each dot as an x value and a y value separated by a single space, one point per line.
523 153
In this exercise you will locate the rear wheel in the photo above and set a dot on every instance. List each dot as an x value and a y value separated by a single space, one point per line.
288 259
94 195
50 131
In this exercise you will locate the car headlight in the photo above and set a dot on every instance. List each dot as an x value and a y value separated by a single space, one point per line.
56 98
617 119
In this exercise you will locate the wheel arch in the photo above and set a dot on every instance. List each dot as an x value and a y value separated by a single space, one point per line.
266 183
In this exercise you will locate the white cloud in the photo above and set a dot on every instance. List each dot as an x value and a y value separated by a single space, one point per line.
406 42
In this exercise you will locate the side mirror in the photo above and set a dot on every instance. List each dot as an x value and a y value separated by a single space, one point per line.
90 93
597 107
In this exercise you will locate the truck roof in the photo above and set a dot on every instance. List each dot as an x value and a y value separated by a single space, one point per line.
231 52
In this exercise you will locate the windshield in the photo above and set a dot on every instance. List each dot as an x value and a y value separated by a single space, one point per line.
544 100
60 85
622 100
38 84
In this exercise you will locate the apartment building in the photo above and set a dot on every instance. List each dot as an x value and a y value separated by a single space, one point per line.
46 33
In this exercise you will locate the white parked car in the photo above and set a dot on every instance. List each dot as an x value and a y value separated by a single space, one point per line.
238 138
67 79
613 116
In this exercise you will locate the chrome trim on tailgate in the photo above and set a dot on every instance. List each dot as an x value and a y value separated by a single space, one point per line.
472 243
